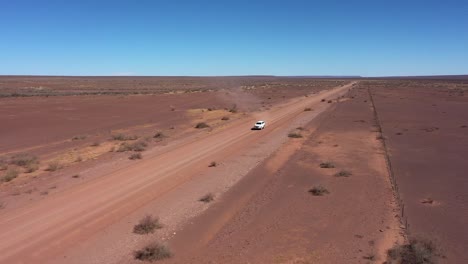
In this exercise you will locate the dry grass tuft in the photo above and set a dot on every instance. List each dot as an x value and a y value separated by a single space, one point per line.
294 135
9 175
53 166
135 156
153 252
201 125
319 191
417 251
122 137
307 109
343 173
136 146
23 159
327 165
147 224
213 164
159 135
31 167
207 198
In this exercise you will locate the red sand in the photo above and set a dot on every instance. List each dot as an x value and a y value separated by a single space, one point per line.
426 129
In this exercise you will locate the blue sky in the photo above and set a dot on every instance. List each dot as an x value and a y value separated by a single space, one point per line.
368 38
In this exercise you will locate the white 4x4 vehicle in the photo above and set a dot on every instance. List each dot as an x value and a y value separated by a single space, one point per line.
259 125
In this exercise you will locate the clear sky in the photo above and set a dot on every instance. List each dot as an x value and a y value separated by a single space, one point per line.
236 37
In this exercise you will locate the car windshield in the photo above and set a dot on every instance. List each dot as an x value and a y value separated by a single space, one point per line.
259 123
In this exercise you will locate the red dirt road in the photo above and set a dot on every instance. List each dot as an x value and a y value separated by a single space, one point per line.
44 229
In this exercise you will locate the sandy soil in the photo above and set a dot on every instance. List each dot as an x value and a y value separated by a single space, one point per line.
425 126
270 217
68 218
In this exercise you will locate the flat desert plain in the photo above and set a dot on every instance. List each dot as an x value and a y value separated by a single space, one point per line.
167 169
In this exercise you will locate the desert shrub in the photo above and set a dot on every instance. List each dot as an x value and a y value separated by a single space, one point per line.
318 191
23 159
31 167
294 135
329 101
327 165
159 135
213 164
95 144
343 173
122 137
201 125
300 128
147 224
53 166
369 257
3 164
9 175
136 146
233 108
323 100
225 118
81 137
417 251
207 198
153 252
307 109
76 176
135 156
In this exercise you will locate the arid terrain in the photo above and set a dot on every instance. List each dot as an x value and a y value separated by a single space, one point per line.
134 169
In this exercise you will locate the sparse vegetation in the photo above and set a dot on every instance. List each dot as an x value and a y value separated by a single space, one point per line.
122 137
159 135
23 159
233 109
135 156
201 125
329 101
147 224
53 166
294 135
9 175
417 251
32 167
76 176
307 109
3 165
207 198
153 252
213 164
225 118
319 191
136 146
343 173
323 100
80 137
95 144
327 165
